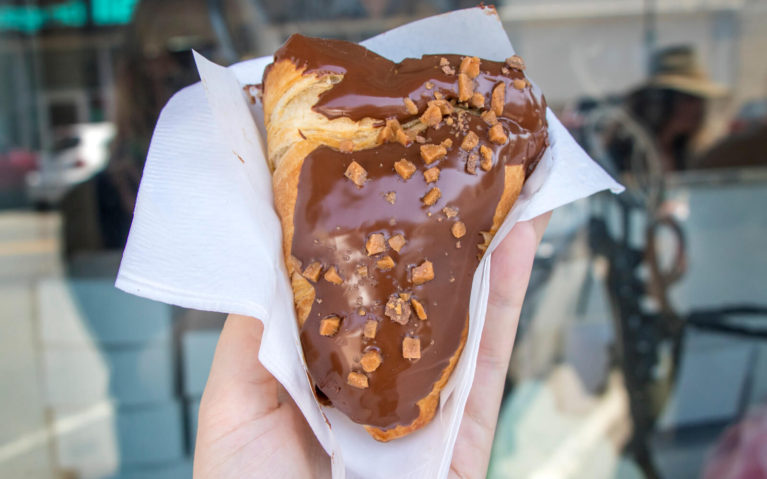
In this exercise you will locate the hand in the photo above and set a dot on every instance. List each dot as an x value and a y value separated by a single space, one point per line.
249 426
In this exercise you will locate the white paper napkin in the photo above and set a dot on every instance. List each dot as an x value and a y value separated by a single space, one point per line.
205 234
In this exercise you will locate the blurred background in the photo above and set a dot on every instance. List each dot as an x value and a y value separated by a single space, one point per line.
642 350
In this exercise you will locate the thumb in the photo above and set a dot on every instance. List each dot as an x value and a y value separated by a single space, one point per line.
239 388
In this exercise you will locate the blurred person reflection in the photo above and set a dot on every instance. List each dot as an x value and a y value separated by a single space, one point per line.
746 146
154 63
670 107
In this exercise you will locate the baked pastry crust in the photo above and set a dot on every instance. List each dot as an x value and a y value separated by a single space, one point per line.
296 129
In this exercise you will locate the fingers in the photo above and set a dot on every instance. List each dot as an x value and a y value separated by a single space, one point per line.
510 271
239 388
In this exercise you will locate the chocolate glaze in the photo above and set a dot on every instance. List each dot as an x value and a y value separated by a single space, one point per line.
334 218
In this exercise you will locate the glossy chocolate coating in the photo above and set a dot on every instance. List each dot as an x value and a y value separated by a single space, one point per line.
334 218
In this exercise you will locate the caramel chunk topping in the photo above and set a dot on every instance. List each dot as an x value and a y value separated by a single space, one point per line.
418 308
370 361
477 100
432 153
362 270
391 197
410 106
312 272
397 309
422 273
411 348
376 244
431 197
432 116
329 326
515 61
356 173
404 168
431 175
519 84
358 380
369 331
347 146
444 106
471 163
397 242
447 143
487 158
489 117
469 141
450 212
385 263
469 66
331 276
458 229
498 99
497 135
465 87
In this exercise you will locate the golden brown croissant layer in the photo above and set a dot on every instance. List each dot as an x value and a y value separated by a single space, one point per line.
390 180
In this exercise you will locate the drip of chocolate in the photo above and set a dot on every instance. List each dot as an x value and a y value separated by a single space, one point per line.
335 218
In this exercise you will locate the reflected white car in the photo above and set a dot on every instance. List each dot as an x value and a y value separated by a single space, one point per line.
79 152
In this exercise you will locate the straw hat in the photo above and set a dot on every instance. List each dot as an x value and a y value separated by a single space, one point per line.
678 68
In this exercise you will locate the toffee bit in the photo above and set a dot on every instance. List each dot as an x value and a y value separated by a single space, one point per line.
329 325
419 310
397 242
458 229
471 163
375 244
470 66
447 142
432 196
432 116
487 158
431 153
404 168
346 146
422 273
385 263
362 270
357 380
369 331
411 348
356 173
519 84
450 212
498 99
469 141
332 276
397 309
391 197
489 117
515 61
497 135
312 272
465 87
431 175
429 85
370 361
477 100
410 106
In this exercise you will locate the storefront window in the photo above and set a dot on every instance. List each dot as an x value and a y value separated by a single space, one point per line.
642 349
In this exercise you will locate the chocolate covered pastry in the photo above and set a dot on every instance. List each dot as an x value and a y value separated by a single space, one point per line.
390 180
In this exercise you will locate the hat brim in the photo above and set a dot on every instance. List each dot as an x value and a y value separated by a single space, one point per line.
693 86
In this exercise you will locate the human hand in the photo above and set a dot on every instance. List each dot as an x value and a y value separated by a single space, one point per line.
249 427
